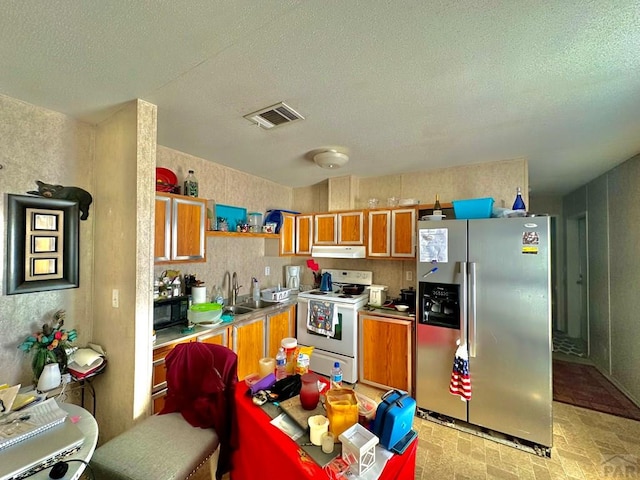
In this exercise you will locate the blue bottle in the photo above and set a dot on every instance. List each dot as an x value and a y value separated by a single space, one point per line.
518 204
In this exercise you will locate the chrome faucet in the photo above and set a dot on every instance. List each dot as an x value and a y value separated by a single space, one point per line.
227 278
235 288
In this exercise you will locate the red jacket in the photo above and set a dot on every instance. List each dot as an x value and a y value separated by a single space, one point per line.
201 382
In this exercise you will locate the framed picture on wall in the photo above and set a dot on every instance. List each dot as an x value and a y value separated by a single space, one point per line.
42 244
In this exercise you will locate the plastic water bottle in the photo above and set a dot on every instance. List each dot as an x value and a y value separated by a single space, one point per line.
336 376
281 364
217 297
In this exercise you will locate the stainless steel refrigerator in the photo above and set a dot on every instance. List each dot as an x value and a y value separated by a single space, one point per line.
487 283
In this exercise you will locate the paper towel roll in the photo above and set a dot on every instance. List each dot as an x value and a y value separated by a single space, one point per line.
199 294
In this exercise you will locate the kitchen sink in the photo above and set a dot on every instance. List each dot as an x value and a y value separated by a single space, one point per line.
237 309
255 304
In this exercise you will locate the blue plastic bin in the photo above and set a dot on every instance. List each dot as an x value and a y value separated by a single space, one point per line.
275 216
473 208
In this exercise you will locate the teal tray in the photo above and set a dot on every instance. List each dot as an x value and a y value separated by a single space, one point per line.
234 215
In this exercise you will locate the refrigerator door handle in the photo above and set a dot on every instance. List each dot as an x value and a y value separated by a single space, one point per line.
472 309
464 314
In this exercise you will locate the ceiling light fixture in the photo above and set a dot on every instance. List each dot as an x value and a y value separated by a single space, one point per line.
330 159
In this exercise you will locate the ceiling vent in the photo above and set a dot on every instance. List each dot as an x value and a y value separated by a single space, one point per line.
274 116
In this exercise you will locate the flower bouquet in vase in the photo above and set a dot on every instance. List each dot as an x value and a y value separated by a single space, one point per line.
49 345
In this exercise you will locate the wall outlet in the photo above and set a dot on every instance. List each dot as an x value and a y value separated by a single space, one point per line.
267 271
115 298
409 275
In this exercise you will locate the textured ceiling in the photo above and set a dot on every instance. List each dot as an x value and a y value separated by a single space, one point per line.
400 86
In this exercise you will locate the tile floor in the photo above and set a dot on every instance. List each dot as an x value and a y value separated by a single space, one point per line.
586 445
563 343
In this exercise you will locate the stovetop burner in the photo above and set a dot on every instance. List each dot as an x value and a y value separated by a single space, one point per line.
317 292
345 295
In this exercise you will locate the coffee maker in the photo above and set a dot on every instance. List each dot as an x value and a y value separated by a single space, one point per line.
293 277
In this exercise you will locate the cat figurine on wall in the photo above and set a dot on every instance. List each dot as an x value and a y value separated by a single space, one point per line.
75 194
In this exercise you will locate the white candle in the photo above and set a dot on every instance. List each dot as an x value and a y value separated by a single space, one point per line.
318 424
267 365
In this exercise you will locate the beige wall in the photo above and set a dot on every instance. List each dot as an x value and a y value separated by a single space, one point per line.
598 244
610 205
125 165
244 255
624 274
491 179
38 144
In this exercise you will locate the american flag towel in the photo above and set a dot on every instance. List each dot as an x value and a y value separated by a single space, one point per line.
460 383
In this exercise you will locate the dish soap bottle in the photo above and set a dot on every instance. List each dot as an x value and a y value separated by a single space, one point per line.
191 185
518 204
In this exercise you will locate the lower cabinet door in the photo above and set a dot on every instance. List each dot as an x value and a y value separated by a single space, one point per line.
385 352
280 325
157 400
248 343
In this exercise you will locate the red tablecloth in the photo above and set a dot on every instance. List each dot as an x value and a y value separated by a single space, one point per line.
266 452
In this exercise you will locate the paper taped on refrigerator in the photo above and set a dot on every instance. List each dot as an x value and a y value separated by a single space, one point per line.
434 245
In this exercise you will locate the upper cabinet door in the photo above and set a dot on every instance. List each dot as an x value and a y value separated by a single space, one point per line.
162 239
325 229
188 229
351 228
403 232
304 234
379 242
288 235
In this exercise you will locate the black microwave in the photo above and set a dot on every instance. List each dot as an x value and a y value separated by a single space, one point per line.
169 312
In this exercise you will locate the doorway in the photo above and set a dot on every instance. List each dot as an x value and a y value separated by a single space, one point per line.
572 338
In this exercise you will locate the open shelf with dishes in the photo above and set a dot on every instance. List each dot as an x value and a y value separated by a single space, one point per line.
215 233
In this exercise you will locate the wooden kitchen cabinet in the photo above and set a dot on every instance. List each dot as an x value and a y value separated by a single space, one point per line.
351 228
280 325
159 375
296 236
217 337
179 228
392 233
341 228
325 229
248 343
384 347
288 234
304 234
403 232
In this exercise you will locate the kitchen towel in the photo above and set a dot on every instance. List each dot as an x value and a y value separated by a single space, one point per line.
460 383
199 294
322 317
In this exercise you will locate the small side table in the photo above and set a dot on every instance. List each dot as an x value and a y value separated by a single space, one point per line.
84 382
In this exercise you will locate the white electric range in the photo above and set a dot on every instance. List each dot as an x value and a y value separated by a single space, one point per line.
328 321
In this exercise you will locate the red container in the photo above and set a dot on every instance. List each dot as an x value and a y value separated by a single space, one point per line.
309 393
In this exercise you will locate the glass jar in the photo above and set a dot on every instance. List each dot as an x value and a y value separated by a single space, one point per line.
255 222
309 393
